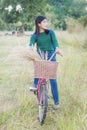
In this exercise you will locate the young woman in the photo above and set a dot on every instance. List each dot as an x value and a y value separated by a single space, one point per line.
46 41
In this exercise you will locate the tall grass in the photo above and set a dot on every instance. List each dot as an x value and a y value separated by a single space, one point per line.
76 39
18 106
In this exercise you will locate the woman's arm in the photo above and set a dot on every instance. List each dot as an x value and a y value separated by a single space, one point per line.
32 40
56 44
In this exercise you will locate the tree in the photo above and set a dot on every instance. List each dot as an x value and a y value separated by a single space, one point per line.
67 8
29 9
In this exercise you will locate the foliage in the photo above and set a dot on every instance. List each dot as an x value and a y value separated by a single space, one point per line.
56 10
83 20
2 24
67 8
30 9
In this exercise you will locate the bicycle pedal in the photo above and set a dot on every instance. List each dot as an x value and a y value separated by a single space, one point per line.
35 92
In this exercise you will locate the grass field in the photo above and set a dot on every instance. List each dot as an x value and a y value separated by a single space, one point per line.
18 106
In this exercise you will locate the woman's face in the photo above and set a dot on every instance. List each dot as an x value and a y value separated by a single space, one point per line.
43 25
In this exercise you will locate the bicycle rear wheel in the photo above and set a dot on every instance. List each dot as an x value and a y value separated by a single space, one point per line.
43 102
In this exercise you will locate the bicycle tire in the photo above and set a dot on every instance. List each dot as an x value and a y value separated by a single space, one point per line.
43 103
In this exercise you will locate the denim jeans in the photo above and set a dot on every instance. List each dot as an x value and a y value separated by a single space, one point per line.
53 82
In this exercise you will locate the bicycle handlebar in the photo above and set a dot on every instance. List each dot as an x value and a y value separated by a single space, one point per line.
44 56
54 55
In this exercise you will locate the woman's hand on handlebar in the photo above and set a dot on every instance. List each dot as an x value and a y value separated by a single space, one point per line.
58 51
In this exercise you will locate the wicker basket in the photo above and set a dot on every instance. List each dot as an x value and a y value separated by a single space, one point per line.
45 69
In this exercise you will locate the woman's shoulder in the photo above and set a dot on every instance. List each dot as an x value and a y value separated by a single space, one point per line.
34 35
51 31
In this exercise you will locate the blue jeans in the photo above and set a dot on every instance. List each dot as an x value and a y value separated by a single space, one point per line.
53 82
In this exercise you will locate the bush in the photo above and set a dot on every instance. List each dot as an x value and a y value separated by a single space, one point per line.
28 26
10 27
83 21
2 25
74 25
59 24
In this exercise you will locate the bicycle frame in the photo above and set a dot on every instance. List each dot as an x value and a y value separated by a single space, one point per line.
39 87
42 99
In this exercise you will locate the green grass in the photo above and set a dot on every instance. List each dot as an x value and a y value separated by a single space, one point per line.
18 106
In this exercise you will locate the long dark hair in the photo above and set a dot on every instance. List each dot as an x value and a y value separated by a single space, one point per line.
38 20
36 28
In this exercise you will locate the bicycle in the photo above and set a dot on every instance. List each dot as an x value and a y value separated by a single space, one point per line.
44 70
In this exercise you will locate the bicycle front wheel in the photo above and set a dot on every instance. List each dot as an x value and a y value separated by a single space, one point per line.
43 102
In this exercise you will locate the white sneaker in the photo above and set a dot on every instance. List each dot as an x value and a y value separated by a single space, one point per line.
33 87
56 107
